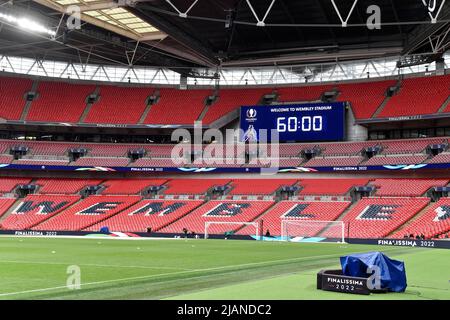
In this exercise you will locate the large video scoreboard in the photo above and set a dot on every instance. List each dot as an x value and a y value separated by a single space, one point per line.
297 122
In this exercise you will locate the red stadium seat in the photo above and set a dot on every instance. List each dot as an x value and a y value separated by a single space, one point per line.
59 102
364 97
193 186
378 217
88 212
301 211
64 186
8 185
434 222
177 106
114 100
222 211
35 209
406 187
12 97
418 96
148 213
130 186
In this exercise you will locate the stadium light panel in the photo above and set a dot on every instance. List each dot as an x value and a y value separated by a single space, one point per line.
26 24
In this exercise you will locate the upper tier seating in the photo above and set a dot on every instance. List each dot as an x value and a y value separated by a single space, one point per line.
12 97
59 102
64 186
329 186
35 209
231 99
126 105
418 96
434 221
406 187
155 214
378 217
88 212
302 94
119 105
223 211
130 186
178 106
193 186
301 211
364 97
258 186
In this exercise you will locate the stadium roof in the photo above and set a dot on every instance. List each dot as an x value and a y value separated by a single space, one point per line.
183 34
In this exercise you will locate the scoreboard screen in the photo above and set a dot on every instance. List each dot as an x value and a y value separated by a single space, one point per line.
296 122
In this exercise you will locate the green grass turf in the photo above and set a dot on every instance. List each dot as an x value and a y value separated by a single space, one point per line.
36 268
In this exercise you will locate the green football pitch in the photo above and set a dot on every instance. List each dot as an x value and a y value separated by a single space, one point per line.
39 268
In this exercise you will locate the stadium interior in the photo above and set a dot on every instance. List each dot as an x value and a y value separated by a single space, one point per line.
104 126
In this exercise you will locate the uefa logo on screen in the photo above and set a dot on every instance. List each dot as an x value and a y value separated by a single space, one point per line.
251 113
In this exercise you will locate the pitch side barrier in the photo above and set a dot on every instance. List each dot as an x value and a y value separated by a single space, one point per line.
118 235
438 244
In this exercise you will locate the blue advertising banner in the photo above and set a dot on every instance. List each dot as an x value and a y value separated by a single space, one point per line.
296 122
411 167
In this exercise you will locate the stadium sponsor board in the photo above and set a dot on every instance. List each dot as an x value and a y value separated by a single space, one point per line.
440 244
115 234
333 280
403 118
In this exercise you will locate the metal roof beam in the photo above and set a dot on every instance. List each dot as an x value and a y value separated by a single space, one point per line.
419 35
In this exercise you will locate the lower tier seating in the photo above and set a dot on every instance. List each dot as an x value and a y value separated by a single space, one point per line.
5 204
35 209
302 211
435 221
154 214
399 206
378 217
219 211
88 212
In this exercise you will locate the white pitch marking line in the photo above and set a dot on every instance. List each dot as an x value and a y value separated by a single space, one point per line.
93 265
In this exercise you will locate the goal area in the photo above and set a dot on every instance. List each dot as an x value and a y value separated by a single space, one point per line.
228 228
313 231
